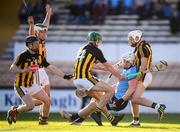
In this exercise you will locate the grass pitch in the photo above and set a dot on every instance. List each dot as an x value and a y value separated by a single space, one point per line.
149 123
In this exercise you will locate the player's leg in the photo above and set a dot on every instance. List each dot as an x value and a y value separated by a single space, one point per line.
134 107
113 119
137 99
109 91
42 95
27 105
44 81
95 85
79 117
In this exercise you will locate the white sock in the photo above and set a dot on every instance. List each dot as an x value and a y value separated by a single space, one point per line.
157 107
135 122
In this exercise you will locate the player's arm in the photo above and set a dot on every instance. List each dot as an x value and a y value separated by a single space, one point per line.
132 86
31 25
118 64
58 72
112 70
53 69
144 64
98 67
107 65
14 67
48 15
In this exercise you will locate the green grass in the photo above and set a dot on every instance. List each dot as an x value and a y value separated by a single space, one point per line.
149 123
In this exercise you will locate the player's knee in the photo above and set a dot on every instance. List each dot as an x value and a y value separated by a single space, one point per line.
30 106
93 105
134 100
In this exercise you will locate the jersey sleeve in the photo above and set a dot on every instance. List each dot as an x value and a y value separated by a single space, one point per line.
18 60
132 71
45 63
100 56
144 51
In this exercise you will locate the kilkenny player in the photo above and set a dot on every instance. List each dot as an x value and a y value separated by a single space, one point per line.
26 66
86 60
143 60
40 30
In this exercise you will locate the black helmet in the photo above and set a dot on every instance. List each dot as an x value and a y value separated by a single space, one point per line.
31 39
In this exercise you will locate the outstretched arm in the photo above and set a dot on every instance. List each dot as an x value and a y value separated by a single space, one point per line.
98 67
112 70
58 72
48 15
31 25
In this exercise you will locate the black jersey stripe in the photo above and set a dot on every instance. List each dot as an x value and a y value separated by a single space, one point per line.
84 68
20 91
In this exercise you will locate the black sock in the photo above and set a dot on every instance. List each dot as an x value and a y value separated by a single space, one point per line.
153 105
136 118
74 117
77 117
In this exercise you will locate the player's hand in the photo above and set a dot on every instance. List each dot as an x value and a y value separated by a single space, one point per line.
119 102
30 20
68 76
48 9
140 76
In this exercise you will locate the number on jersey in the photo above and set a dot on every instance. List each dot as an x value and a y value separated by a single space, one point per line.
81 55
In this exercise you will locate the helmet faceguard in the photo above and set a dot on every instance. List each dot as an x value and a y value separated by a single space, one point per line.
129 56
39 27
134 37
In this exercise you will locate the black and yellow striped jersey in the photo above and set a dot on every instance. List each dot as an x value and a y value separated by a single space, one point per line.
143 50
42 48
24 60
86 57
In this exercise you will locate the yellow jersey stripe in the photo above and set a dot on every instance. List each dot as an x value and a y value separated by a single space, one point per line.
40 49
141 50
85 65
29 77
24 75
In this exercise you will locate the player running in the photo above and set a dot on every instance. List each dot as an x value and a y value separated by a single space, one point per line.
40 30
26 83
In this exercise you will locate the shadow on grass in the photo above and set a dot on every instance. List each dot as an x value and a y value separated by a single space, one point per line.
144 118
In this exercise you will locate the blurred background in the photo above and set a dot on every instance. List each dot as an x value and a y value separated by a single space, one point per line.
70 23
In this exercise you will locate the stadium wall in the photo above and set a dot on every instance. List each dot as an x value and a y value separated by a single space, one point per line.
113 52
65 98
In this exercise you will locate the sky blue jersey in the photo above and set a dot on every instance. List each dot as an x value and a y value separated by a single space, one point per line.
122 85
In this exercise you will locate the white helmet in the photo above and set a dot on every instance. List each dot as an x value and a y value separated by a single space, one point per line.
135 34
128 56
